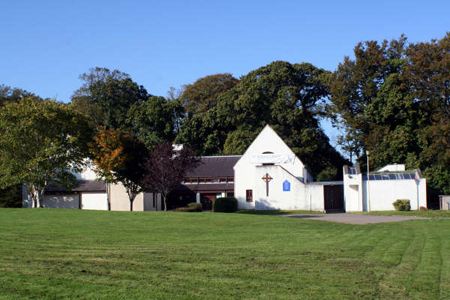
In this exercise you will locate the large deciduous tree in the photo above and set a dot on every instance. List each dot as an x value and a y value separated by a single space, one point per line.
166 167
119 157
289 97
155 120
393 99
39 142
201 96
371 102
428 74
106 96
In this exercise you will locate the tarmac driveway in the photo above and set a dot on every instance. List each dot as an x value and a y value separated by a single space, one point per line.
354 218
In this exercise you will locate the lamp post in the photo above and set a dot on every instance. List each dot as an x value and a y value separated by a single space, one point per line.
368 180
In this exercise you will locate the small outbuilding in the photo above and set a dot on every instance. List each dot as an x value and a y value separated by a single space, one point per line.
381 188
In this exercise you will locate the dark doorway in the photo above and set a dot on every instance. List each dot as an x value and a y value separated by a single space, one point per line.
207 200
334 198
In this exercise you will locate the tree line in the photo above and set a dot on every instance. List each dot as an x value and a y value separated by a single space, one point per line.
391 98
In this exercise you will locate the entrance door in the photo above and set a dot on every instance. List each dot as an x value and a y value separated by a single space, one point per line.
334 198
207 200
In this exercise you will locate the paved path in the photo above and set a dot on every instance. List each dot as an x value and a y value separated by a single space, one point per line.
354 218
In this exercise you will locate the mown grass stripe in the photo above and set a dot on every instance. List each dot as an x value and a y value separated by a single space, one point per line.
54 254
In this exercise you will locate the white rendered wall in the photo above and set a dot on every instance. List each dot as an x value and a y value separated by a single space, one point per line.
71 201
269 141
384 192
299 197
95 201
244 179
314 197
120 201
247 177
353 200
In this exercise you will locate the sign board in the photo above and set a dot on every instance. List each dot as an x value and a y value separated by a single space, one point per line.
286 186
272 158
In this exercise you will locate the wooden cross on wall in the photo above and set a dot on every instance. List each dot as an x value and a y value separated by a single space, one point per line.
267 179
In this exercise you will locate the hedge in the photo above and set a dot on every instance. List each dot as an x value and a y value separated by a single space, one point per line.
191 207
225 204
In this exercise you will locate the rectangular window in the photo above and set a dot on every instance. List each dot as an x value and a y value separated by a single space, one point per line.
154 200
249 195
230 179
223 180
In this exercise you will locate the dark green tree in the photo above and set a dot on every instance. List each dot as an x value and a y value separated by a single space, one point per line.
427 72
289 97
106 96
12 95
393 99
155 120
11 196
201 96
356 84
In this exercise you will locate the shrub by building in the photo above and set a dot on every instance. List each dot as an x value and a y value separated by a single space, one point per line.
225 204
402 205
192 207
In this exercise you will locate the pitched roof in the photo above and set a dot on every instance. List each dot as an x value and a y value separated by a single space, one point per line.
215 166
83 186
205 187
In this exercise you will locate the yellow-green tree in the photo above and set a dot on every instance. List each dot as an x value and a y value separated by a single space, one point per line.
40 141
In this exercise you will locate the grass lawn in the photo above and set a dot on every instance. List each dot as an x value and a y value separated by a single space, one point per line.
66 254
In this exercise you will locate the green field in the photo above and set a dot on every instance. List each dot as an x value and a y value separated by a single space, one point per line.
76 254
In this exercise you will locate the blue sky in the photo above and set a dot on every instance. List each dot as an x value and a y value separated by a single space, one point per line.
46 45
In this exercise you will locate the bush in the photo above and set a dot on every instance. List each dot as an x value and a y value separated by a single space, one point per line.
192 207
225 204
402 205
11 197
195 206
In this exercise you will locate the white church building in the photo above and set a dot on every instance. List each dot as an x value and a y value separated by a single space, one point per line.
268 176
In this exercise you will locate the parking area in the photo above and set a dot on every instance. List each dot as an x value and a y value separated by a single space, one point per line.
359 219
